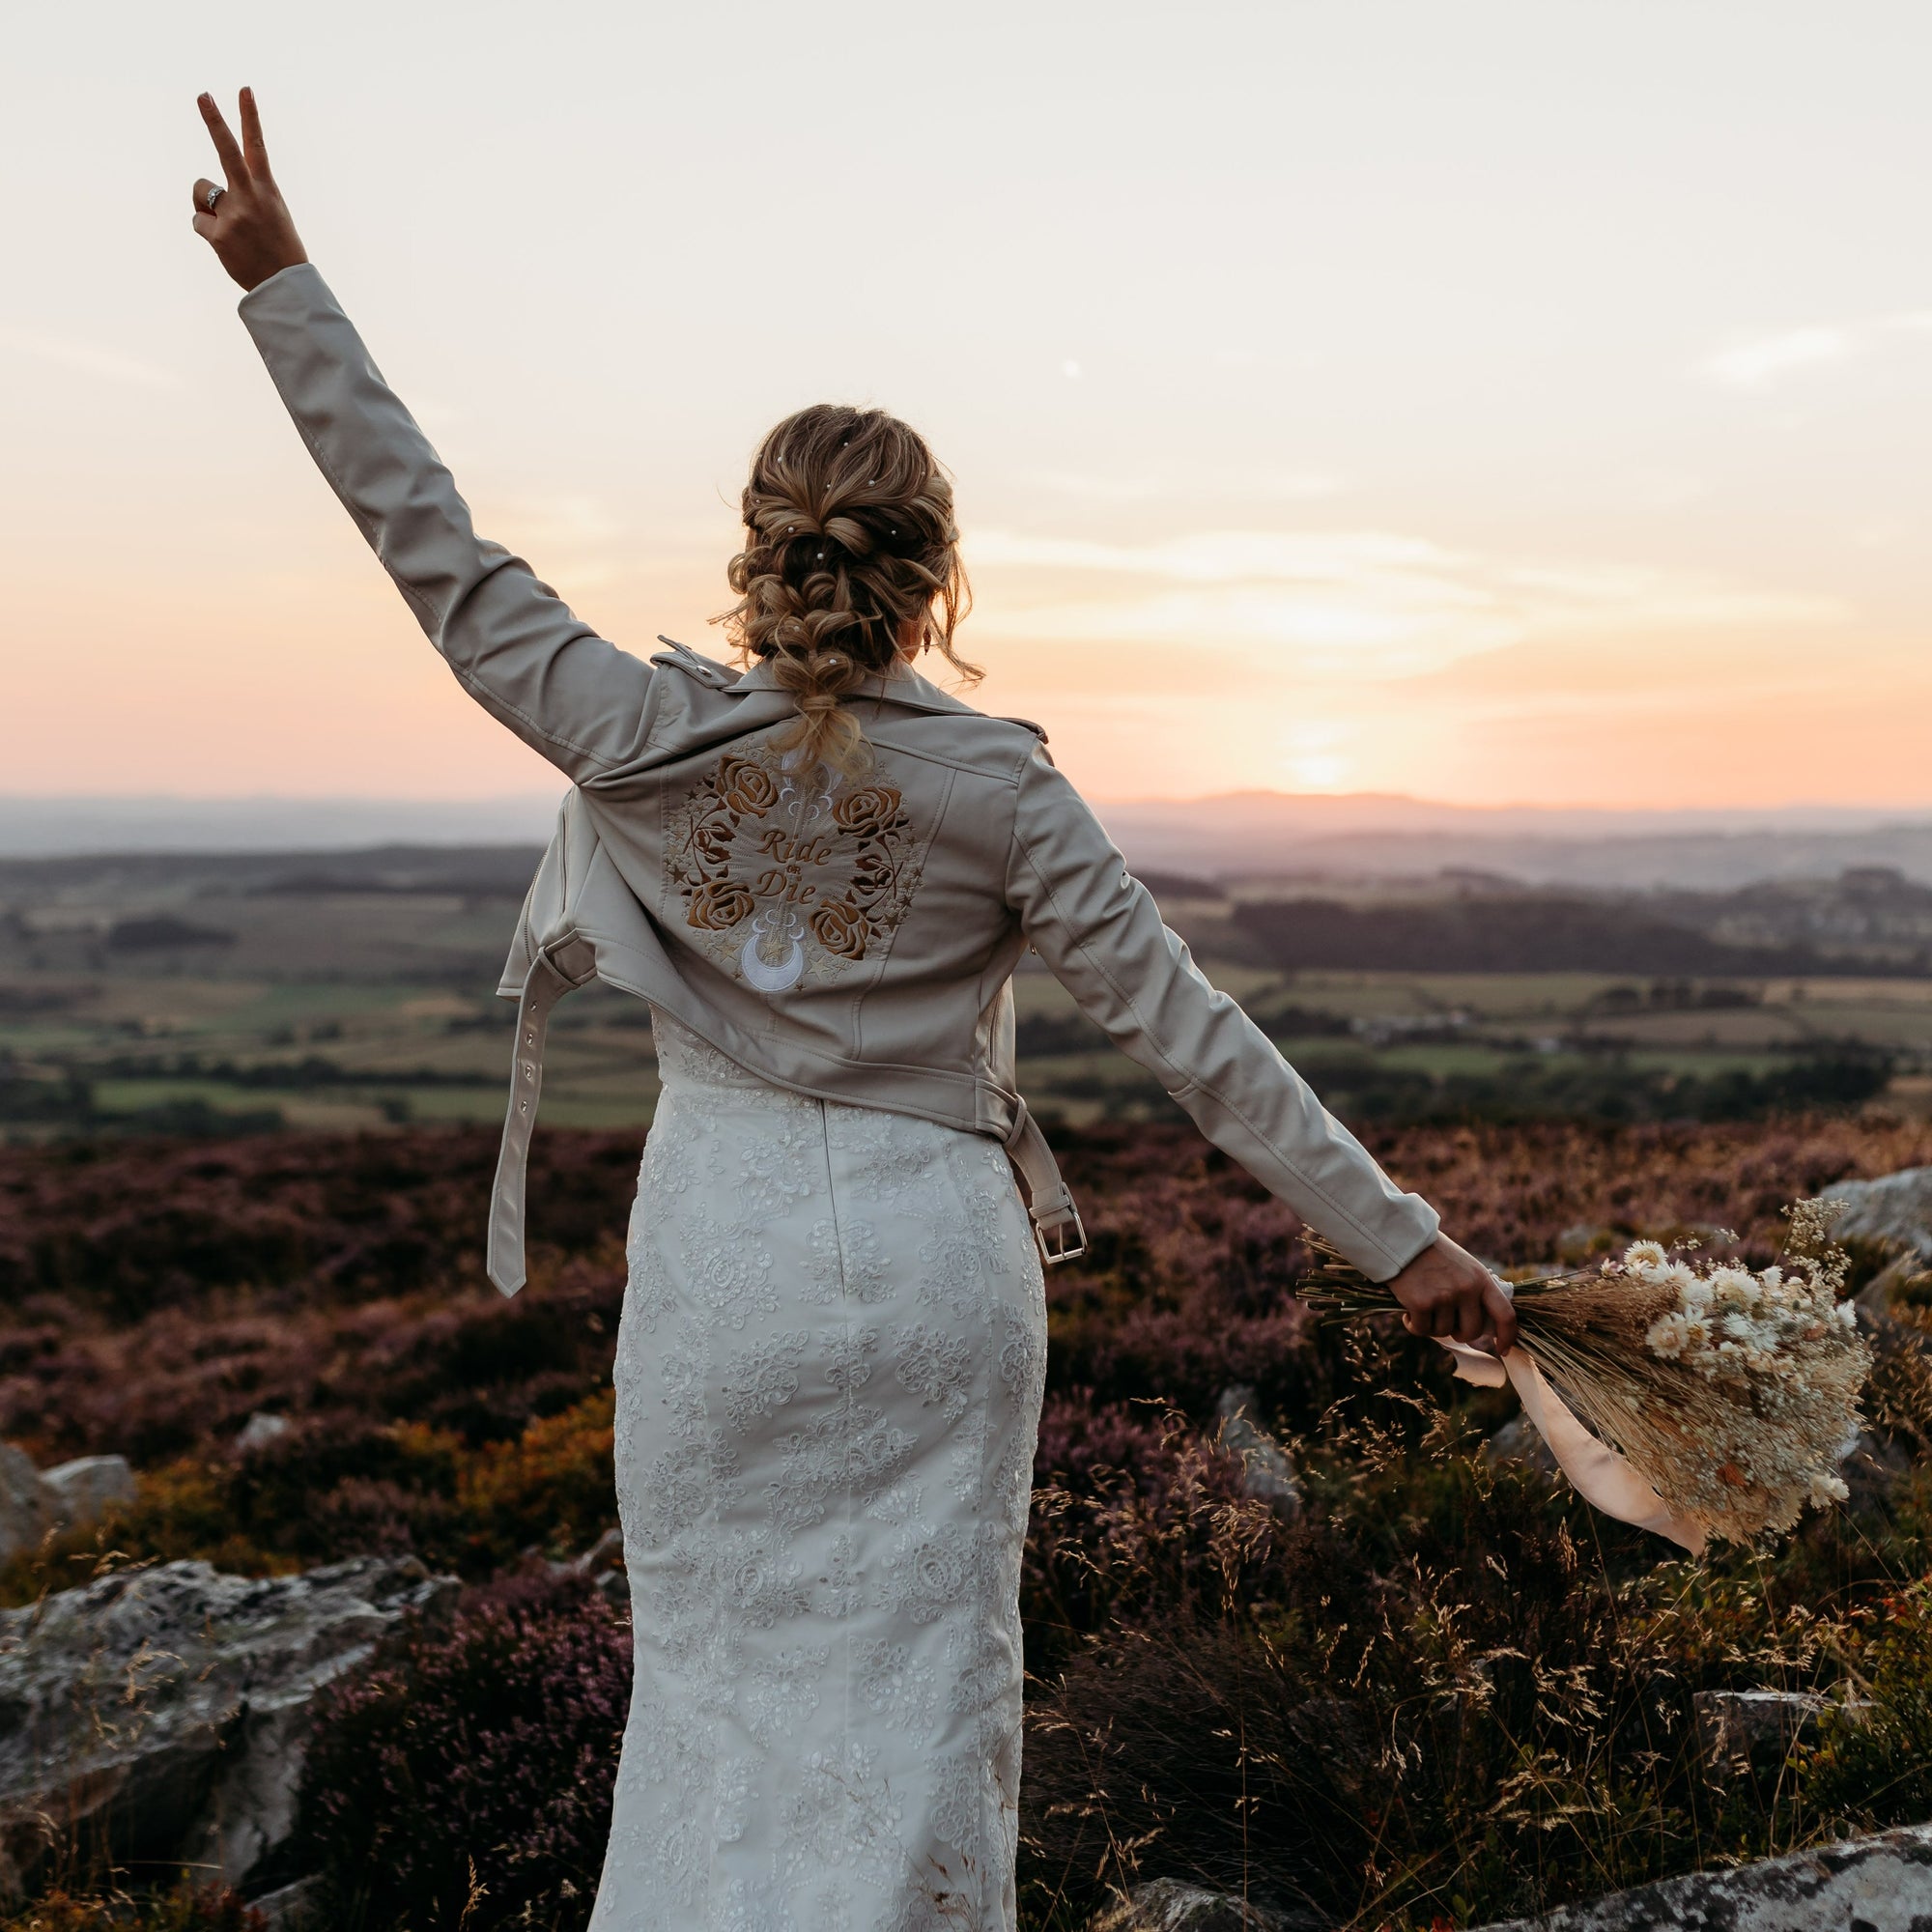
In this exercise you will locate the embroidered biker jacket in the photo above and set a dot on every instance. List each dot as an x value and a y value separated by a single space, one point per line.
853 941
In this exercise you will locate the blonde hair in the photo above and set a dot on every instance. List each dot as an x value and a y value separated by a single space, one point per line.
849 542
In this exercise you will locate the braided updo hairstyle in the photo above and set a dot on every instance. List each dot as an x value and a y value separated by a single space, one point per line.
850 551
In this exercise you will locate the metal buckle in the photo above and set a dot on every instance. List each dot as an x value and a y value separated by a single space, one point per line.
1057 1249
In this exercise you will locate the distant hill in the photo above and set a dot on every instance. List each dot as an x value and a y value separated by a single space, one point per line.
470 871
1272 834
1237 836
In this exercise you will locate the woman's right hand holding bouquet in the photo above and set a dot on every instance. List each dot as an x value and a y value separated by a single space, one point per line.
1446 1292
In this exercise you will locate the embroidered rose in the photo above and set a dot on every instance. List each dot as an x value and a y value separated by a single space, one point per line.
870 809
828 874
747 787
720 903
842 929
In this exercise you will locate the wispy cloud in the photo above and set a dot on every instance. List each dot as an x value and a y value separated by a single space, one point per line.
1294 486
89 360
1354 604
573 537
1765 360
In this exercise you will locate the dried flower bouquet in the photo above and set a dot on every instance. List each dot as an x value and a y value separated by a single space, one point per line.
1727 1399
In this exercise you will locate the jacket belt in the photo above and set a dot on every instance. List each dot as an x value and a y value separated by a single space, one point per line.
543 987
1056 1220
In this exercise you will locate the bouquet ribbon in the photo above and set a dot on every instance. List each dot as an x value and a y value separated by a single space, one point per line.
1598 1474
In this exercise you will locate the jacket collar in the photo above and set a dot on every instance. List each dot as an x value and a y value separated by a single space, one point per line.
904 687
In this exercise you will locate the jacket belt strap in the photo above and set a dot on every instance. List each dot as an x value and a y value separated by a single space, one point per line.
543 987
1056 1220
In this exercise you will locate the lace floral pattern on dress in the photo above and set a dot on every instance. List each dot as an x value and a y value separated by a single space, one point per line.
828 1379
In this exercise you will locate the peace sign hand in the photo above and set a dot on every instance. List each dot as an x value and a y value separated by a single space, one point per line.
245 223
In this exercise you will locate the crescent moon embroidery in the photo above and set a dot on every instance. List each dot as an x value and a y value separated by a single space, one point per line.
772 979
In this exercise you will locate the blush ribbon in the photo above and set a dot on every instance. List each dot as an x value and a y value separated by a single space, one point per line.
1598 1474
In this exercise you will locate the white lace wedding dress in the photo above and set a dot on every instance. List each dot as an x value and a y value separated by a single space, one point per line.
828 1377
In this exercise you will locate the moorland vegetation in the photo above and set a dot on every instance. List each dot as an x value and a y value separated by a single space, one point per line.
1436 1692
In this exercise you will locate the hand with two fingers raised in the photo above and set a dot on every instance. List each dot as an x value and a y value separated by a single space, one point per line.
244 219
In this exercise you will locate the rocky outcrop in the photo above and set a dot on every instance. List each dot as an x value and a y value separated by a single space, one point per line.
1896 1209
1734 1725
604 1564
164 1713
261 1429
1167 1905
1520 1440
26 1511
1882 1884
72 1496
82 1492
1269 1473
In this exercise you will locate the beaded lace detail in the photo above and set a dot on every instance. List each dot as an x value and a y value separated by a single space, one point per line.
829 1378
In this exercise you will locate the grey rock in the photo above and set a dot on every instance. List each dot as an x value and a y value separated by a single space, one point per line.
292 1908
1167 1905
1520 1440
1872 1468
1881 1884
164 1713
1584 1242
260 1430
26 1510
1896 1207
1732 1724
604 1564
1268 1472
82 1492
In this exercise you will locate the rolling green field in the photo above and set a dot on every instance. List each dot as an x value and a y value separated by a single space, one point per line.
366 1009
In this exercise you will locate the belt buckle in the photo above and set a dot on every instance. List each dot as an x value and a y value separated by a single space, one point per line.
1057 1247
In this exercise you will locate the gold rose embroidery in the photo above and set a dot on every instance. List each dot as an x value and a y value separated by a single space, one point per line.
788 875
717 905
843 928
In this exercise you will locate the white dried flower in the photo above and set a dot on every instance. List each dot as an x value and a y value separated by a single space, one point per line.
1735 1287
1667 1335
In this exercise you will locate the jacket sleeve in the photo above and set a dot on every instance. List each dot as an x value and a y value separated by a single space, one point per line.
513 644
1098 929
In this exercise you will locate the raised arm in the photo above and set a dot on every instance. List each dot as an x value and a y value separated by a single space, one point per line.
1098 929
512 642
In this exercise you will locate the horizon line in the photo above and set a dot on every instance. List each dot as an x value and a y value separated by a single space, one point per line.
408 801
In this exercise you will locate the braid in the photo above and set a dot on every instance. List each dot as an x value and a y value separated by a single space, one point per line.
849 543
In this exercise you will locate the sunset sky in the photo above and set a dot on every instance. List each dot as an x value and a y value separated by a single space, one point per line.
1497 403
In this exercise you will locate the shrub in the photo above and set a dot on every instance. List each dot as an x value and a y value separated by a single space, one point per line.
468 1779
341 1488
1873 1765
555 1487
1448 1692
188 1908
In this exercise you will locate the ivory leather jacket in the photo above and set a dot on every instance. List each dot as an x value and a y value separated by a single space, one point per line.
853 941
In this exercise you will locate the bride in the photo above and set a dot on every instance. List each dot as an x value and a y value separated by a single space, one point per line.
820 870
